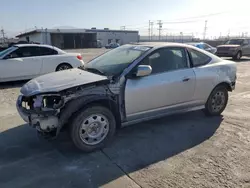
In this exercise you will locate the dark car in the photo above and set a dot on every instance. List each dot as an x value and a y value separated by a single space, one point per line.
112 45
235 48
204 46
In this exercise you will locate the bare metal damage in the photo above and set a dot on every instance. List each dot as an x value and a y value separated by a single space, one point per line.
49 112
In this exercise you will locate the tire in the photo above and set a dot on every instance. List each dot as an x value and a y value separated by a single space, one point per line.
63 66
99 132
217 101
237 56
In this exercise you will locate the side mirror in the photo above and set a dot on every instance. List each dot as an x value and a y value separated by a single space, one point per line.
143 70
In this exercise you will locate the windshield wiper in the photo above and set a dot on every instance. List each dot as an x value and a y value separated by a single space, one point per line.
93 70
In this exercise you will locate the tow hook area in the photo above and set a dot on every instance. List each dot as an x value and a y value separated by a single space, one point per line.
52 135
41 112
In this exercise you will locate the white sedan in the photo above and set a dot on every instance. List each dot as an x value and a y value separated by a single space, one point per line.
27 61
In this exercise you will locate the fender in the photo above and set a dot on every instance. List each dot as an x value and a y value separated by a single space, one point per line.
79 103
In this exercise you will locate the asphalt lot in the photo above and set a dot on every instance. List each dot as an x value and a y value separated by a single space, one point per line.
188 150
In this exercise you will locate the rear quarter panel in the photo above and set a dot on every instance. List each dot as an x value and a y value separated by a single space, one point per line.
211 75
50 63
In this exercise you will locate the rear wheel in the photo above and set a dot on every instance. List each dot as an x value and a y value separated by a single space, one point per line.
63 66
93 128
237 56
217 101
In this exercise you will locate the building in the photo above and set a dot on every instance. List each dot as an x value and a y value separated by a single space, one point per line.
79 38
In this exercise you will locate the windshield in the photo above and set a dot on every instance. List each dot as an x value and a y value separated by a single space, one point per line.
115 61
235 41
6 51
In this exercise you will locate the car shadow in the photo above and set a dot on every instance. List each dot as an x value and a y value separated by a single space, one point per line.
27 161
15 84
243 59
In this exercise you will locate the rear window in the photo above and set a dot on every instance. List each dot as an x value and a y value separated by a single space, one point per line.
199 58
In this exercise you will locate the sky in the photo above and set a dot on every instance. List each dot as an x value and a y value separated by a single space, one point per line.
187 16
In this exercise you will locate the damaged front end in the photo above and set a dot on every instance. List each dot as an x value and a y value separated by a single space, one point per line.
41 112
48 102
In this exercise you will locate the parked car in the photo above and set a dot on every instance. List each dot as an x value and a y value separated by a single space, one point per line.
204 46
112 45
235 48
126 85
99 44
26 61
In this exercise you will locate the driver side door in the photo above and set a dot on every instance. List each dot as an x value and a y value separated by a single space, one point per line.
170 86
23 63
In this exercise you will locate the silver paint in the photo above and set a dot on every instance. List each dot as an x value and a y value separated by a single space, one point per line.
58 81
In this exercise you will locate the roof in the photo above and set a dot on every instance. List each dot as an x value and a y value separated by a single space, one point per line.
195 43
160 44
73 31
38 45
41 45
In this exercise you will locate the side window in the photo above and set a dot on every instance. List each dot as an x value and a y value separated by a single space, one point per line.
199 58
199 46
166 59
206 46
47 51
24 52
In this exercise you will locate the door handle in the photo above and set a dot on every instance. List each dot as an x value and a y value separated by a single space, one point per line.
185 79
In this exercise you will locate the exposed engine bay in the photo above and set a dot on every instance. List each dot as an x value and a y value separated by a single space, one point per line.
48 113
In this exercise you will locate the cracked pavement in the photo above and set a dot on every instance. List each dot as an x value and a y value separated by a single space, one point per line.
188 150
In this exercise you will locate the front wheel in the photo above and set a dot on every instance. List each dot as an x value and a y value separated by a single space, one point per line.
93 128
217 101
237 56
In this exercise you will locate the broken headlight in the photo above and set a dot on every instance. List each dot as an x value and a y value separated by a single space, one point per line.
47 102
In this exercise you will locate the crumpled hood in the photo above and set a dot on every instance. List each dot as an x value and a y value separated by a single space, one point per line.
228 45
58 81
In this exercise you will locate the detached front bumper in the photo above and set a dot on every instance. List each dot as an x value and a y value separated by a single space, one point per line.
43 121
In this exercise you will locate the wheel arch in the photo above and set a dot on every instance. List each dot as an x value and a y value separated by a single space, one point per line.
74 106
226 84
63 63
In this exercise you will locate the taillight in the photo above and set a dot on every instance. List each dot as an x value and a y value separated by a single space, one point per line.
79 57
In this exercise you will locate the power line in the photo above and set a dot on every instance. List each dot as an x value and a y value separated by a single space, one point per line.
185 20
201 16
179 22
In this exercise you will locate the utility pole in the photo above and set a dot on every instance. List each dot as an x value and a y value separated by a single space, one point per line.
228 34
160 28
3 35
205 30
149 23
152 29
